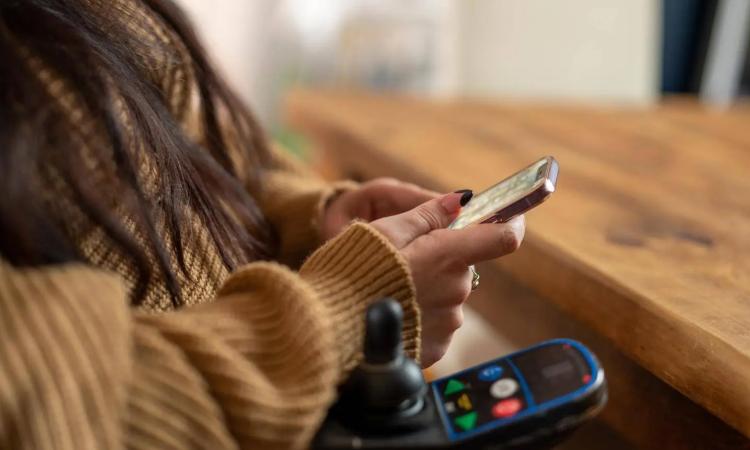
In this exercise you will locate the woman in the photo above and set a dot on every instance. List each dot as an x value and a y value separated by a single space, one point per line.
143 223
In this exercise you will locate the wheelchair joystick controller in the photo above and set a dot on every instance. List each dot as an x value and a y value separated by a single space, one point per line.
530 399
387 388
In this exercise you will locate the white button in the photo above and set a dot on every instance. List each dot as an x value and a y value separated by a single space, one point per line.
503 388
450 407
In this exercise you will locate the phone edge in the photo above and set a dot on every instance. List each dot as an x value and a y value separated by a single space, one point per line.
536 198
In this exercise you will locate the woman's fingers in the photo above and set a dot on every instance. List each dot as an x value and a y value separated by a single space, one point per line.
391 196
440 323
435 214
481 242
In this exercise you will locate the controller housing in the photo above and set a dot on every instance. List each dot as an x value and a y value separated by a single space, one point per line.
528 399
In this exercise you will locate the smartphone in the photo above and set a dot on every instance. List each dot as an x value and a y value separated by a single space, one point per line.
514 195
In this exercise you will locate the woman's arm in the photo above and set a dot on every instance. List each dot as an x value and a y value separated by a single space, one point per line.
293 199
257 368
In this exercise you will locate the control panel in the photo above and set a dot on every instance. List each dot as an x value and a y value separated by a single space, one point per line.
514 387
531 399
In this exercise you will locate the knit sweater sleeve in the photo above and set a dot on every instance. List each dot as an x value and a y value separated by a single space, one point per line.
292 199
257 368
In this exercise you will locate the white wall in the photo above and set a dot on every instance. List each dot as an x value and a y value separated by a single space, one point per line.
560 49
235 33
581 50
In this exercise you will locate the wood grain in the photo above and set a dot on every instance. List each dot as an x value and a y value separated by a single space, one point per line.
646 240
642 409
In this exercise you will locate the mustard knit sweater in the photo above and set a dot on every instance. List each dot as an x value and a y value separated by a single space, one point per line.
253 361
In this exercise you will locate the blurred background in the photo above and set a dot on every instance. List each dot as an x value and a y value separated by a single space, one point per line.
621 52
589 51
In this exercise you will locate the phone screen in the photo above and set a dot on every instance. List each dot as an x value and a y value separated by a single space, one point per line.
501 195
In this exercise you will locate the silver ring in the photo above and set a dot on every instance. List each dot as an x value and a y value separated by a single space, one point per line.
474 278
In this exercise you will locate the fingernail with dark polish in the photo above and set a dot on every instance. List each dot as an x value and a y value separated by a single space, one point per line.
467 194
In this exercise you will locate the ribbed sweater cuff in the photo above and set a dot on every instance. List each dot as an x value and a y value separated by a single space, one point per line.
352 271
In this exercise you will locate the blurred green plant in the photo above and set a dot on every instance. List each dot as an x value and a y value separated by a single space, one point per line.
292 141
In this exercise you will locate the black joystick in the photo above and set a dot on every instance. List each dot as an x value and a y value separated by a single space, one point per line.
387 388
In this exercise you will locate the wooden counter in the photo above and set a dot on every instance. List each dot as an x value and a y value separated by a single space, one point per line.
646 242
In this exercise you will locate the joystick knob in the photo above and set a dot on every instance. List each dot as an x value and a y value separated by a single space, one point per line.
387 386
383 332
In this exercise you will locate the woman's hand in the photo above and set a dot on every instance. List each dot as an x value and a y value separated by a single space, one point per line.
439 260
381 197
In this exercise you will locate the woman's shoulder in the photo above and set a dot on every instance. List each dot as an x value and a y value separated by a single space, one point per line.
48 278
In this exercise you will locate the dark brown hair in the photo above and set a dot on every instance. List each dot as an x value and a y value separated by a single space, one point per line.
97 59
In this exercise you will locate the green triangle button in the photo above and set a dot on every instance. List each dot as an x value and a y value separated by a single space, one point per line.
467 421
453 386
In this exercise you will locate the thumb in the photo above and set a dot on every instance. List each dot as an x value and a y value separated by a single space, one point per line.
432 215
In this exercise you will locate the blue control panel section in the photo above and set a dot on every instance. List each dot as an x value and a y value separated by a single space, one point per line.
514 387
490 373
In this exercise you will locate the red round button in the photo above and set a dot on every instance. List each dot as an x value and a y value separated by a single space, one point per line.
506 408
